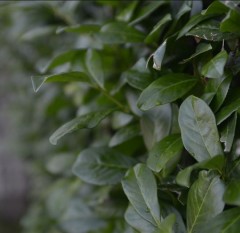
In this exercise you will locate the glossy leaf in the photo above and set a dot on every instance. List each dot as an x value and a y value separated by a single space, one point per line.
215 67
119 32
95 67
89 120
198 128
140 187
228 133
164 152
232 193
101 166
226 222
204 200
215 163
74 76
156 124
231 22
166 89
201 48
124 134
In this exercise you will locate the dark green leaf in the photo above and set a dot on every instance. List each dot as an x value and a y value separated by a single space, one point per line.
166 89
158 29
101 166
89 120
216 8
215 163
226 222
156 124
165 152
140 187
74 76
215 67
228 132
94 66
119 32
124 134
231 22
198 128
81 29
232 193
186 7
201 48
204 200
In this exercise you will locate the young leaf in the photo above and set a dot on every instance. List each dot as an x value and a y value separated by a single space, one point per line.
95 67
74 76
164 152
159 55
198 128
140 187
228 133
89 120
215 67
204 200
101 166
226 222
231 22
166 89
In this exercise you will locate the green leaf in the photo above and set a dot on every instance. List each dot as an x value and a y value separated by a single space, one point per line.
74 76
218 87
159 55
198 128
215 163
140 187
38 32
167 224
127 12
204 200
158 29
89 120
231 22
215 67
210 30
156 124
166 89
124 134
95 67
194 20
119 33
226 222
101 166
232 105
232 193
228 132
165 152
146 10
81 29
216 8
201 48
185 7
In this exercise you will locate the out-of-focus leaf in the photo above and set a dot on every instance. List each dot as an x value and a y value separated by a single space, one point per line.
124 134
198 128
215 67
38 33
74 76
232 193
228 132
215 163
89 120
95 67
81 29
226 222
156 124
164 152
201 48
127 12
119 32
157 29
205 200
146 10
101 166
186 7
166 89
231 22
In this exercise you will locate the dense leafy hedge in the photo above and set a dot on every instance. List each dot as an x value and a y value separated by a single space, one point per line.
158 82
